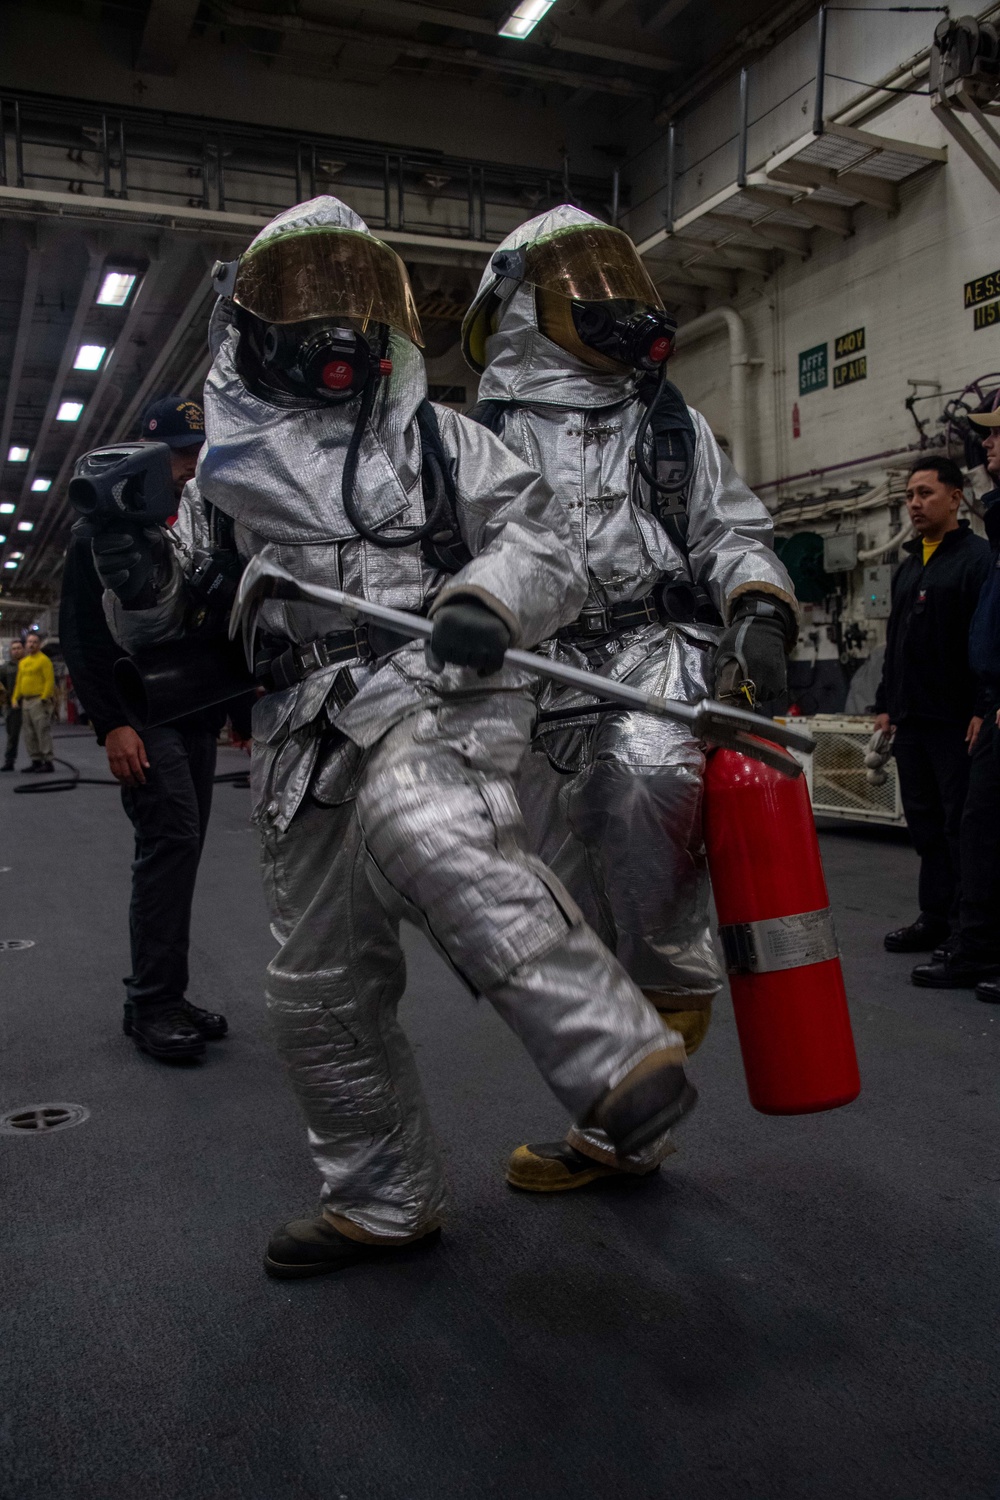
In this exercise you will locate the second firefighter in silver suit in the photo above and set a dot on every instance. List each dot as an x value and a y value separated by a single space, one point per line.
381 778
570 338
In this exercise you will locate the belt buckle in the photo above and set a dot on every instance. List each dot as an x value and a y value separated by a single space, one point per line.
595 621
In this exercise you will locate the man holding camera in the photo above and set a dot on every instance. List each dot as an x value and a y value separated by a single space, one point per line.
166 774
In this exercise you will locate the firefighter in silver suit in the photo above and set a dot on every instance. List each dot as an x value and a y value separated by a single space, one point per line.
381 776
685 598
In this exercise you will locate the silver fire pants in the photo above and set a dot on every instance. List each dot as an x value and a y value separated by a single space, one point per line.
619 821
435 835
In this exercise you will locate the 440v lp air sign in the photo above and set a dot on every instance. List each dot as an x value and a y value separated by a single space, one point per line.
855 369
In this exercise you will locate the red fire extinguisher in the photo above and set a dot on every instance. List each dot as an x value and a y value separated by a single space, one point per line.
781 953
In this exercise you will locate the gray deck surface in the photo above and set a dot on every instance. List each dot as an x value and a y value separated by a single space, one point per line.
793 1308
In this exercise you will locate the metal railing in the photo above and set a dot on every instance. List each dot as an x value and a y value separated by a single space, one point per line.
72 146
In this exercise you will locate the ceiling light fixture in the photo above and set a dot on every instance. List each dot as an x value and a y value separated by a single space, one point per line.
7 508
524 18
17 555
89 356
10 564
39 486
69 411
116 288
25 525
18 455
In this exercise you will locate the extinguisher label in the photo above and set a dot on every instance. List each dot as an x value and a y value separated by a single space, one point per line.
779 943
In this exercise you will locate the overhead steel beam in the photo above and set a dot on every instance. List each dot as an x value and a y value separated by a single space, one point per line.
155 372
453 56
877 191
95 264
54 504
29 292
165 34
824 215
694 274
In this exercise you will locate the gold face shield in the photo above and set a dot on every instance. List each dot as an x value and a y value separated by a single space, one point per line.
582 263
327 272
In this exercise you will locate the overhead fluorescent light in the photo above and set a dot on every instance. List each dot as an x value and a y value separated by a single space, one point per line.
69 411
89 356
17 555
2 540
523 20
7 508
10 564
18 455
25 525
39 486
116 288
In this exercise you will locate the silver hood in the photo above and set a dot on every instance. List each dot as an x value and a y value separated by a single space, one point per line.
522 364
279 471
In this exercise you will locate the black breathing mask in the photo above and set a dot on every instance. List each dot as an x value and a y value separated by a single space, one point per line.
323 358
641 338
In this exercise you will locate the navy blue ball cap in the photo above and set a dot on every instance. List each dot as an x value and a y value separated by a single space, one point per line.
174 421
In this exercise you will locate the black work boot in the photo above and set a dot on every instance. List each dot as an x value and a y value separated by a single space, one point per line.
557 1167
958 972
989 991
922 936
312 1247
8 765
36 765
46 765
207 1023
165 1032
650 1099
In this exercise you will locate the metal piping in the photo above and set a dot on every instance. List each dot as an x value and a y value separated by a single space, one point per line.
739 362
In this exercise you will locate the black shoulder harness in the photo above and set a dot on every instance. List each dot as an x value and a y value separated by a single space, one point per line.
673 434
443 548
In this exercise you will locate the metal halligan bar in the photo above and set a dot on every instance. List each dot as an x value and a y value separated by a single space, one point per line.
735 727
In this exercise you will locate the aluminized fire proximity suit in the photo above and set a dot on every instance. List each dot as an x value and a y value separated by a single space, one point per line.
623 828
382 788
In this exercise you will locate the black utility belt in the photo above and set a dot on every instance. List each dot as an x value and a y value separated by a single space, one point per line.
279 664
613 619
284 666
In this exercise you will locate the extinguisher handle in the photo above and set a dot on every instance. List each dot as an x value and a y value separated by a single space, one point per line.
735 729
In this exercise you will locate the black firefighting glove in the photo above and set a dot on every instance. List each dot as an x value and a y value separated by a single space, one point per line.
470 635
750 664
129 560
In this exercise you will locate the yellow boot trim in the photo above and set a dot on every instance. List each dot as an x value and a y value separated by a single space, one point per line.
547 1174
692 1022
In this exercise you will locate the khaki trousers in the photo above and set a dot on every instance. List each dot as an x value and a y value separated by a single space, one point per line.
37 728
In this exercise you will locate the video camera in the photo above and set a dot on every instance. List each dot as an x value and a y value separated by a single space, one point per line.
131 482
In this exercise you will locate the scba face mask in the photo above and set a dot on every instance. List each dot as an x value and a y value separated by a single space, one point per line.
316 306
593 297
324 358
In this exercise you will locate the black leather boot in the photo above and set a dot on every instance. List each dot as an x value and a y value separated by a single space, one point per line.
922 936
313 1247
212 1026
958 972
166 1033
989 991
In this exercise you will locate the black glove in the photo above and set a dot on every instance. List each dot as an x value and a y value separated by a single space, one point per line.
470 635
126 559
754 649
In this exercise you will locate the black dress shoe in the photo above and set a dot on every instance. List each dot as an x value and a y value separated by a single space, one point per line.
209 1024
945 950
956 973
166 1033
988 990
922 936
312 1247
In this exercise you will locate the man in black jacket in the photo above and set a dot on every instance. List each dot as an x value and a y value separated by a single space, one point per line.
974 954
928 692
166 777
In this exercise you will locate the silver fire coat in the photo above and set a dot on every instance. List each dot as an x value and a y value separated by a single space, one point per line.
621 824
399 802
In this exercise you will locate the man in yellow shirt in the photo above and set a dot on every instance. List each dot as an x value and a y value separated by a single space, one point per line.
35 693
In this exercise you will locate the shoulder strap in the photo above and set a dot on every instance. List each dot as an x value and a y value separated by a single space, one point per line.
674 438
491 414
443 547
